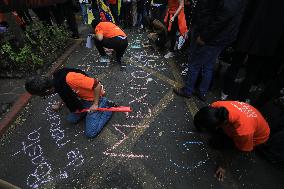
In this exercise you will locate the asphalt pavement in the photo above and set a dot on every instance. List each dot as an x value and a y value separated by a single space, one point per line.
155 146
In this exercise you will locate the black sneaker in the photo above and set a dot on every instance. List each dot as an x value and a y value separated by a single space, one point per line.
180 92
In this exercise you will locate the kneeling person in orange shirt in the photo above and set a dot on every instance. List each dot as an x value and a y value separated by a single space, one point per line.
233 121
78 91
109 35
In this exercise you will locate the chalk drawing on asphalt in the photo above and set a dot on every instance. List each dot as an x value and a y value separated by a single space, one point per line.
185 147
42 171
111 151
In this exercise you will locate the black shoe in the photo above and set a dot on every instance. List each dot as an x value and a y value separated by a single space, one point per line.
201 97
180 92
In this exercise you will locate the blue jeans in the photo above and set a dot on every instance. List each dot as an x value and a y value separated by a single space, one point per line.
94 121
140 19
201 58
84 9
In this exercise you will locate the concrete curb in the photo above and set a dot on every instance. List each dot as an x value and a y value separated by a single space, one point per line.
24 98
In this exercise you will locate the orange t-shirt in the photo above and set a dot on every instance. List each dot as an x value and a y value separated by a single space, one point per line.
109 30
82 85
247 127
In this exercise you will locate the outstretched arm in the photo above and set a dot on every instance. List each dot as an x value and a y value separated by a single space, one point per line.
97 91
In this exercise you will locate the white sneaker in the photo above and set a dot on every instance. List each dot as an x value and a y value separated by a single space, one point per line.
104 59
224 96
169 55
181 41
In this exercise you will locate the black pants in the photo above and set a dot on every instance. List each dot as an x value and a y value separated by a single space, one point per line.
188 14
172 34
114 11
253 68
254 65
126 14
116 43
271 91
232 72
273 149
64 11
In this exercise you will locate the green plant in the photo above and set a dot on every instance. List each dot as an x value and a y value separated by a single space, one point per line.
43 43
22 56
60 36
46 39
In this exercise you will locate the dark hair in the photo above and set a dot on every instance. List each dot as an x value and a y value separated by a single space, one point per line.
210 118
38 85
95 22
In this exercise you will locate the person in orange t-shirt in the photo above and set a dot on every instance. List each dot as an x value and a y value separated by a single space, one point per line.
109 35
236 121
175 21
78 91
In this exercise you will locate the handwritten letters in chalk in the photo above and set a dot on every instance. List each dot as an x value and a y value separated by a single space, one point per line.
33 148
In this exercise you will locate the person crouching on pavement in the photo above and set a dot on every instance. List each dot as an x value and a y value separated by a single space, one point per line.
232 123
109 35
78 91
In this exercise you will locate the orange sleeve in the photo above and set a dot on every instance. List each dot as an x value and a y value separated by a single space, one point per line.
79 80
244 143
99 30
216 104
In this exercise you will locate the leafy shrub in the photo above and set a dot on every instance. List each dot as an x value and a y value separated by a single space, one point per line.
25 55
46 39
43 44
